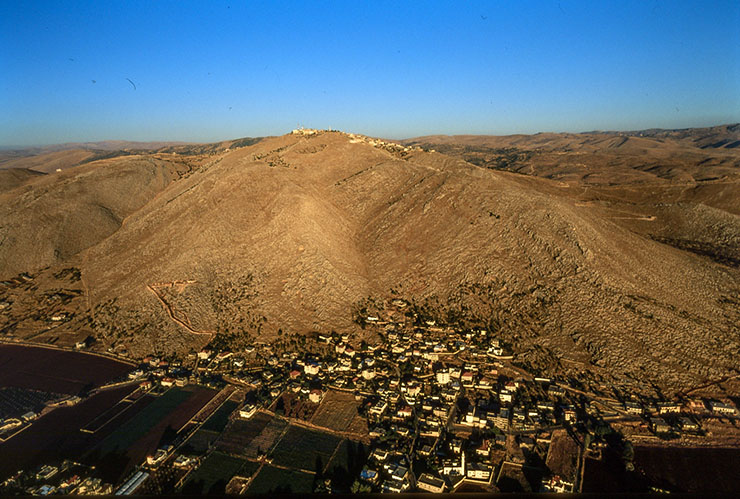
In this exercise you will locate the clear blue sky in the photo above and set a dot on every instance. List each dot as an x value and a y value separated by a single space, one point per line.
208 70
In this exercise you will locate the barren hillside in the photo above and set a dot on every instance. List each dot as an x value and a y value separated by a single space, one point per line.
635 276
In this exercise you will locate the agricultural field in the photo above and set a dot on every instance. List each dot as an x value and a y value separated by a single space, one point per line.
218 421
215 402
199 443
119 413
144 422
161 480
304 449
609 475
515 479
213 474
277 480
249 468
14 402
153 426
74 372
336 411
358 428
56 436
240 433
349 455
266 439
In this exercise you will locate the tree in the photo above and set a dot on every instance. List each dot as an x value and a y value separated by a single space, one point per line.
602 429
628 454
359 487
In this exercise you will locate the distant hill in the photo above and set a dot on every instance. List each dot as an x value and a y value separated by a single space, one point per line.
103 145
51 158
716 137
14 177
721 136
696 155
613 253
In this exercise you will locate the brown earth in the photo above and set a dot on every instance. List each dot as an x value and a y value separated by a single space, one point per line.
621 249
15 177
562 455
47 162
338 410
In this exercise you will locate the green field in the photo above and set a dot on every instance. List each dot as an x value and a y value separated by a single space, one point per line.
131 431
214 473
304 449
219 419
276 480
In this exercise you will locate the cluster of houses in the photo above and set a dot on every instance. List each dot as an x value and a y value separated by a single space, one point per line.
358 138
439 402
67 478
445 407
439 416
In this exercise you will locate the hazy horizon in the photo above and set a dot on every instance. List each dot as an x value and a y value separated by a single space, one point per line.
175 141
192 72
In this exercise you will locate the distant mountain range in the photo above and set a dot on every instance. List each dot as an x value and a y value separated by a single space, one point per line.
103 145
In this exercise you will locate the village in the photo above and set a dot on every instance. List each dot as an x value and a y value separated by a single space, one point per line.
428 407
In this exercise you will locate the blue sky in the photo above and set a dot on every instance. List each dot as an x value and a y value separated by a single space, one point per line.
206 71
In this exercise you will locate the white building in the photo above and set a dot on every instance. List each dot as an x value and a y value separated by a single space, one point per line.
454 466
721 407
379 408
312 368
443 376
315 396
247 411
479 471
431 483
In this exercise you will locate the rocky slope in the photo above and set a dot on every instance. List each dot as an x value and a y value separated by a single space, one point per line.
295 233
